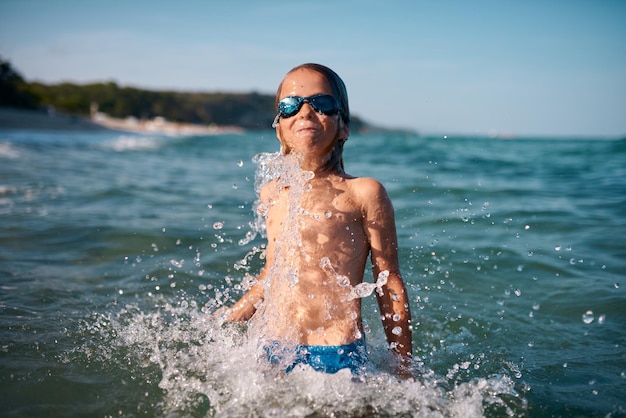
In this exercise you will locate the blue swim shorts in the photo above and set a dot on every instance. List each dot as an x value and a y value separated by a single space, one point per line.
323 358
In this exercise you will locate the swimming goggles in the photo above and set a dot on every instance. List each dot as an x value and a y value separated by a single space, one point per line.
324 104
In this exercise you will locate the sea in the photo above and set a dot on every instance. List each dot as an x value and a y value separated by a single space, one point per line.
116 249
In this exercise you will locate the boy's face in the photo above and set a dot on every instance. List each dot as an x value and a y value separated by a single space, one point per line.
308 133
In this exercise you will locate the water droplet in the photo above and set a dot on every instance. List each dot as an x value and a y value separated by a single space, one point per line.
328 214
518 292
601 319
240 163
557 248
588 317
343 281
396 331
527 227
218 225
177 263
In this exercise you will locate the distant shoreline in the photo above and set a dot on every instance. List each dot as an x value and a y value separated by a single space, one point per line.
13 118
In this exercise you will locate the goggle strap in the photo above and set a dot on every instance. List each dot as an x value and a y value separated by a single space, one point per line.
276 119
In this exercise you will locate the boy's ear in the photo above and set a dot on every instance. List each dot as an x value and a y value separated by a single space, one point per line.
279 133
344 130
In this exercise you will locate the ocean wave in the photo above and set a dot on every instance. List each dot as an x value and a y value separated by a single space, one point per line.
134 143
7 150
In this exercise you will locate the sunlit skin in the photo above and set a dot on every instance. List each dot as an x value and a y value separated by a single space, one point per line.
343 218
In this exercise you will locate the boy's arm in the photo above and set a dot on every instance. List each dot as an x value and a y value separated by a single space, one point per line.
393 301
396 317
246 306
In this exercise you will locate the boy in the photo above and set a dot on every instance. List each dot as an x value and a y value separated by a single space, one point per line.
321 225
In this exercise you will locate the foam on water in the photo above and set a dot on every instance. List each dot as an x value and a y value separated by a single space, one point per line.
135 143
7 150
204 368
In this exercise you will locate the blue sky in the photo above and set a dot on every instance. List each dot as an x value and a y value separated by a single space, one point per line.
525 68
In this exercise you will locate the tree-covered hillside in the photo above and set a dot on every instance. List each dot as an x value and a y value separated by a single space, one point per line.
247 110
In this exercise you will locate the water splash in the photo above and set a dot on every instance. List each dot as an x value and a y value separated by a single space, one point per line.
190 365
269 166
360 290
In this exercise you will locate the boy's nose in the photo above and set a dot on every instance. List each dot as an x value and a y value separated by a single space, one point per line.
306 109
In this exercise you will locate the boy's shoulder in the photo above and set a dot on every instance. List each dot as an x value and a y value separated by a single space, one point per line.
365 184
366 188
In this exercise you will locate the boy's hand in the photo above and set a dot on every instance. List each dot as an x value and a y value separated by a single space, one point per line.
222 314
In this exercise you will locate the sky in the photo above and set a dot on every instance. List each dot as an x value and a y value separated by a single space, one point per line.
501 67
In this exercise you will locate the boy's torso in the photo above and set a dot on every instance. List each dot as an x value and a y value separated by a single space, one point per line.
316 263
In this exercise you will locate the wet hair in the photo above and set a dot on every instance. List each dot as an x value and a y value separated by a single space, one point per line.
336 84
